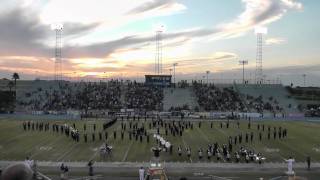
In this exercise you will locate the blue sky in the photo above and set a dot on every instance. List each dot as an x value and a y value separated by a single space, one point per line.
116 39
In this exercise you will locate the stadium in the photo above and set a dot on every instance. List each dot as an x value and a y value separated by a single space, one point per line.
103 98
197 116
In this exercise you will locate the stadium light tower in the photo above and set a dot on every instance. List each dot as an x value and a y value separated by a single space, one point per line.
207 72
158 55
259 31
174 73
243 63
58 46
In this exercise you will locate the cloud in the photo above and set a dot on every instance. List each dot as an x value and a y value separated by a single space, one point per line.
200 61
257 13
18 30
77 29
111 13
189 65
153 5
26 32
275 41
22 33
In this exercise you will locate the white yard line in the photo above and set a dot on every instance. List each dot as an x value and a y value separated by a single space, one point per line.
185 146
219 129
67 152
126 154
203 135
94 155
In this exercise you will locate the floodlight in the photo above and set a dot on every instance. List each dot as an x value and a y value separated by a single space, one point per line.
261 30
56 26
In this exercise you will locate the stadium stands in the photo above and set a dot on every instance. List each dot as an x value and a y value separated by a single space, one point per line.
212 98
115 95
143 97
267 98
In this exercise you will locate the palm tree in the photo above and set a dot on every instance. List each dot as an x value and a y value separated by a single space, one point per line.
10 85
15 76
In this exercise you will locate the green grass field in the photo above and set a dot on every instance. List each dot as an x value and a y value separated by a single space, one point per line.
16 144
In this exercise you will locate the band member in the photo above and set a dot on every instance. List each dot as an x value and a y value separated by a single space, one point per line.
179 151
93 137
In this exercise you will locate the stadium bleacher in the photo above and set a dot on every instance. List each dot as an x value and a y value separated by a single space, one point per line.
48 95
273 94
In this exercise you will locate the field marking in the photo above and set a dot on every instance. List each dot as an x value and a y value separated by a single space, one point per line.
15 137
185 146
203 135
41 142
50 144
223 178
278 177
67 152
126 154
292 149
88 177
219 129
94 155
29 147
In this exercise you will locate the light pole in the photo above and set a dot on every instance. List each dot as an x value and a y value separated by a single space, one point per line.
74 76
243 63
304 79
207 72
174 73
105 76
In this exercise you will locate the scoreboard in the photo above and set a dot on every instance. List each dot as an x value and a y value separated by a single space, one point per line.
158 80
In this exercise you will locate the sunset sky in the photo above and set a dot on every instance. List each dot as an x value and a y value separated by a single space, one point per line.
104 38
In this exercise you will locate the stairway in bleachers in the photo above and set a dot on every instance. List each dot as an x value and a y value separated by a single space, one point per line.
177 97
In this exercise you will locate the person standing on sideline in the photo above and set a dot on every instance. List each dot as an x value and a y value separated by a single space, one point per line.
308 162
62 171
290 162
141 173
90 164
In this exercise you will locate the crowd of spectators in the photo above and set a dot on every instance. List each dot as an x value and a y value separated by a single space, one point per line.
259 104
79 96
115 95
311 110
143 97
212 98
93 96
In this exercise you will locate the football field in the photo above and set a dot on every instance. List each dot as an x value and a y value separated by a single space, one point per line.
16 143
